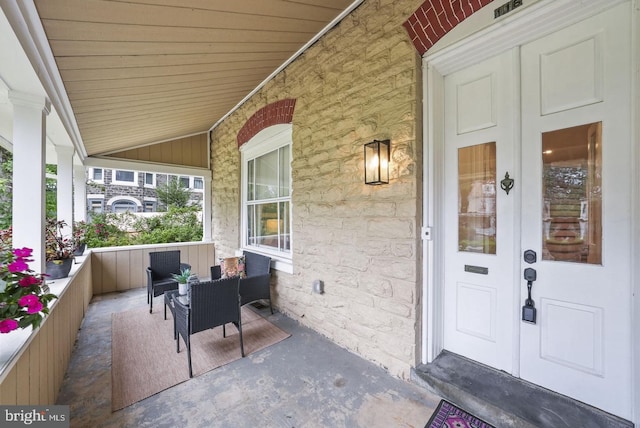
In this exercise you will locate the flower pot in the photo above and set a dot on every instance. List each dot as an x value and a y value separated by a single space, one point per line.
182 289
80 250
57 269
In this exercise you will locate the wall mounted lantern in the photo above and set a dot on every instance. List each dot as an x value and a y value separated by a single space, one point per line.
376 162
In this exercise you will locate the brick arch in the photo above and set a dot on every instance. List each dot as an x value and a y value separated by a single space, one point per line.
435 18
272 114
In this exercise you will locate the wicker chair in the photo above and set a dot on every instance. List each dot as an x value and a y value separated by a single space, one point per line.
256 285
211 304
161 265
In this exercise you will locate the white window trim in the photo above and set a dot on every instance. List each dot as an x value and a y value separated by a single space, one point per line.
152 185
193 184
95 197
265 141
123 198
91 171
124 183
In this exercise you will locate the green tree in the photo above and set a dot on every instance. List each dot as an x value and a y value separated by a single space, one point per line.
6 188
172 194
51 191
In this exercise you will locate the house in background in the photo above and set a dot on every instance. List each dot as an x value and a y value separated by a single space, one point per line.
118 190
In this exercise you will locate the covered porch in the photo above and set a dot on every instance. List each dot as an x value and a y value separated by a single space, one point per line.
273 103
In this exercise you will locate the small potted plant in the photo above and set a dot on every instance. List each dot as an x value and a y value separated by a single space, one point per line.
79 237
182 278
58 250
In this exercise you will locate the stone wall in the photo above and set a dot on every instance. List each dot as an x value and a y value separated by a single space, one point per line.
361 81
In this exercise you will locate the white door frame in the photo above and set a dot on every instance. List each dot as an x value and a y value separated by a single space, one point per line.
537 20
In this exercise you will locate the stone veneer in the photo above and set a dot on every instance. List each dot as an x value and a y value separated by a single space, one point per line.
361 81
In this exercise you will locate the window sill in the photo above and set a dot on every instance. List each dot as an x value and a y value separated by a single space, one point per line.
278 263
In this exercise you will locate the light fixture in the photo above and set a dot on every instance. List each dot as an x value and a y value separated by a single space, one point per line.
376 162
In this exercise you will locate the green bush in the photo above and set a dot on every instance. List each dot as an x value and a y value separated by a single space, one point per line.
103 231
120 229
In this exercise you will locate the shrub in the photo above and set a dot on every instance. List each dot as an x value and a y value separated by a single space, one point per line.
119 229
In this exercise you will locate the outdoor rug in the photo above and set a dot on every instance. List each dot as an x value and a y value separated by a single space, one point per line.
144 360
448 415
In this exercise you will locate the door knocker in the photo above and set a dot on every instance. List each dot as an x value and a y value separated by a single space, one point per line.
506 183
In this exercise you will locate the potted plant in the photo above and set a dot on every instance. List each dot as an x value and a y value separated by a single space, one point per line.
182 278
58 249
24 296
80 229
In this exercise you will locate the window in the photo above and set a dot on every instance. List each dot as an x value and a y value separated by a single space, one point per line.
572 194
477 196
125 177
121 206
96 174
95 206
184 182
149 179
149 206
198 184
267 191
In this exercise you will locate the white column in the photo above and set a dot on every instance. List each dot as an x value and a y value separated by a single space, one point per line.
79 193
206 209
65 188
29 133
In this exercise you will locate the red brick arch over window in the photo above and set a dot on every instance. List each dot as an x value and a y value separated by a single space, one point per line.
435 18
272 114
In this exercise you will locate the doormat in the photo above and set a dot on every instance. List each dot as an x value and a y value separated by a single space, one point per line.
448 415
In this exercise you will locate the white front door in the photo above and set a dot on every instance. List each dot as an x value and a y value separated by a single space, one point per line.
561 104
576 211
480 264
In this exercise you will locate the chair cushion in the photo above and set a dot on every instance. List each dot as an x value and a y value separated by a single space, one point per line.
232 266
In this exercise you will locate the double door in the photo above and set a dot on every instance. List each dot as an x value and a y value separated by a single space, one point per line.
537 175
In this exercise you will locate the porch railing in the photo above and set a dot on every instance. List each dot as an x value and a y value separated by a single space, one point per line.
33 364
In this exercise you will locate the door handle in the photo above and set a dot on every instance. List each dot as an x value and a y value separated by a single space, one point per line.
529 309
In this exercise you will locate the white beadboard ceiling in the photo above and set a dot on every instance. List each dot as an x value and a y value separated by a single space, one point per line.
137 72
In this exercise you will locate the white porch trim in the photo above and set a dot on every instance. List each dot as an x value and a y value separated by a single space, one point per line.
29 135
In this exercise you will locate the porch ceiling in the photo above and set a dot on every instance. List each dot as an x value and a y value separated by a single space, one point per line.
137 72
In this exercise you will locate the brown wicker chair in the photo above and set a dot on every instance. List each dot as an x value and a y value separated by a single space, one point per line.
257 284
210 304
161 265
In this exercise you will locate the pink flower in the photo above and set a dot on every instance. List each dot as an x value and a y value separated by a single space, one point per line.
8 325
32 302
28 281
28 300
17 266
23 252
34 308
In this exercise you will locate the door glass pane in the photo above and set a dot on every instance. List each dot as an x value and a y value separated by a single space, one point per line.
572 194
477 198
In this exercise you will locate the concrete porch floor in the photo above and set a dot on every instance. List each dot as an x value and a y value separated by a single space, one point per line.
306 381
303 381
